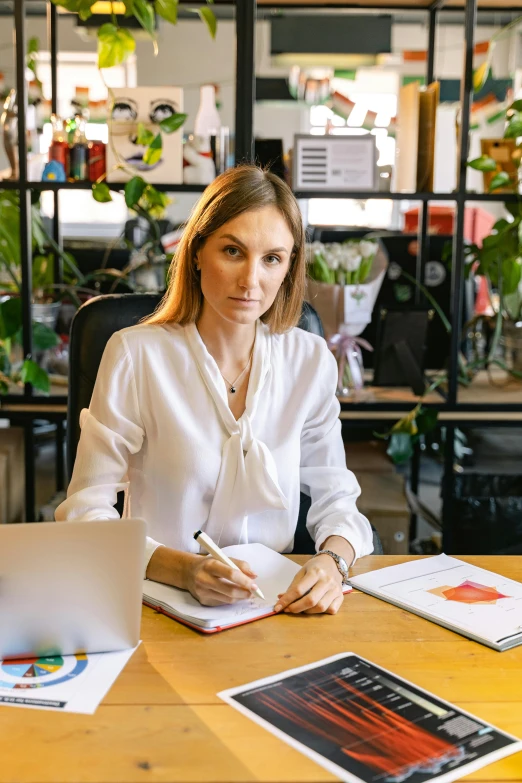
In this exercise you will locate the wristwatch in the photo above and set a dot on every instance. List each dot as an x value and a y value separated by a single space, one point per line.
340 562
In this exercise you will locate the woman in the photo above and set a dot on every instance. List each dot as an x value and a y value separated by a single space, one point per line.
215 412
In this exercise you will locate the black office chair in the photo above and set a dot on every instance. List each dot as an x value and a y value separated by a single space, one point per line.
94 323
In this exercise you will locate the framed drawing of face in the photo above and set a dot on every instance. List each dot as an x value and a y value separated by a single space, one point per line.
148 105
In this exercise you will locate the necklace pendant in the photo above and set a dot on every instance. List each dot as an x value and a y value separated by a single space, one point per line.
232 390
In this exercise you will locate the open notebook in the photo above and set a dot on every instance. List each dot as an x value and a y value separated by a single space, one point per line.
474 602
275 573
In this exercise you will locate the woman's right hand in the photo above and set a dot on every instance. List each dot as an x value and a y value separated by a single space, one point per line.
213 583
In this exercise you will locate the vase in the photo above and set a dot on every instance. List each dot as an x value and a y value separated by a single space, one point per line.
207 121
46 314
353 374
513 344
149 264
9 125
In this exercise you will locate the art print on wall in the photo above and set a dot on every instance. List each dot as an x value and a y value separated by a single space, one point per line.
130 106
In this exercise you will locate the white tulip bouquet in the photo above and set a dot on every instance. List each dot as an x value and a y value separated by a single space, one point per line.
343 282
347 263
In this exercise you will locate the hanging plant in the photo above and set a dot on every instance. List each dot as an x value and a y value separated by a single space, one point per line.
115 44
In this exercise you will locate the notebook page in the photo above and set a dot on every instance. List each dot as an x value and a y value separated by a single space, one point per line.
275 573
441 587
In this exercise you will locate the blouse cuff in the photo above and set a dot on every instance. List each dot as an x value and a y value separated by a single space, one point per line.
150 547
361 546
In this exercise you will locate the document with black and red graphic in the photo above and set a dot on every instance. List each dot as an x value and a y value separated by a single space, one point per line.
363 723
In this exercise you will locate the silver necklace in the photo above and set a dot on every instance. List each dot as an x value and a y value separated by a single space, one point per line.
233 385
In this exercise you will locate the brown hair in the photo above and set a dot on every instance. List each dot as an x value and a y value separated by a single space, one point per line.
235 191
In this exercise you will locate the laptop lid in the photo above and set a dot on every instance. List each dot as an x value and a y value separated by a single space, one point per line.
69 587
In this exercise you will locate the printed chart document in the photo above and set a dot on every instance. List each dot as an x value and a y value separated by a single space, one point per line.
474 602
363 723
70 683
275 574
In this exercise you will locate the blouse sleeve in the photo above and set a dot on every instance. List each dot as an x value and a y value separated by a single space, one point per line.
324 476
111 430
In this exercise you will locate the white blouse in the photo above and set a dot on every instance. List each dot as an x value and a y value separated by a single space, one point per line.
159 426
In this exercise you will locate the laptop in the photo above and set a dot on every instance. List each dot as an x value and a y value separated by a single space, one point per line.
70 587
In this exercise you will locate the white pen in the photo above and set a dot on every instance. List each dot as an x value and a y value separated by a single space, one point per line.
213 549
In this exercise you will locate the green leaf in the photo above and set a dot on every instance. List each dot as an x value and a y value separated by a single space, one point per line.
480 76
144 13
80 7
134 191
156 198
426 420
33 47
44 337
365 268
514 209
172 123
114 45
207 16
10 317
513 305
400 448
484 163
500 180
320 271
516 106
514 128
40 236
511 275
500 225
101 192
167 9
153 153
33 373
145 136
43 272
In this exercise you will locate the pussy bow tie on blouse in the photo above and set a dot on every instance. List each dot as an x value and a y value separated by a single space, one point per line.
248 481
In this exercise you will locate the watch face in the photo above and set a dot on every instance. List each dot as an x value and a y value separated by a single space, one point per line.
342 564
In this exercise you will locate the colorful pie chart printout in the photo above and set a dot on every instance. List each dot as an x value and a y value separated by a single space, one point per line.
70 683
36 672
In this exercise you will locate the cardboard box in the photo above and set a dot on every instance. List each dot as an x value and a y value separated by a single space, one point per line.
368 455
384 503
12 448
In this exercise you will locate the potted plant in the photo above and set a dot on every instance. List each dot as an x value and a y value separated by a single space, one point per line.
47 295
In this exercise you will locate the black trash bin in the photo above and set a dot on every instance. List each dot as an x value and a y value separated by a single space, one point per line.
486 514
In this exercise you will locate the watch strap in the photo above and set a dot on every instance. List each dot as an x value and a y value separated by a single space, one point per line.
335 557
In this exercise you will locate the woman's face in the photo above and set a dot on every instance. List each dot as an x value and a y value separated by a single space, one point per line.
243 264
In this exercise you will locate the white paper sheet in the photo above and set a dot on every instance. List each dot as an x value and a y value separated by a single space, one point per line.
481 603
69 683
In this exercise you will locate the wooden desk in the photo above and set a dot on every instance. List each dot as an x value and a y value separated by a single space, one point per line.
162 720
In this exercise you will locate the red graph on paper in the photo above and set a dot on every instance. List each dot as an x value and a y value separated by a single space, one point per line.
469 592
361 727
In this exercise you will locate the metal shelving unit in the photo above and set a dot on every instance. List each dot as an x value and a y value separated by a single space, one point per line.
452 413
24 408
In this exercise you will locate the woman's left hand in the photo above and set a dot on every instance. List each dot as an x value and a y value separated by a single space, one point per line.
316 588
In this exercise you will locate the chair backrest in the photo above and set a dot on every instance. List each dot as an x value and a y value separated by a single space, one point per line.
93 325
